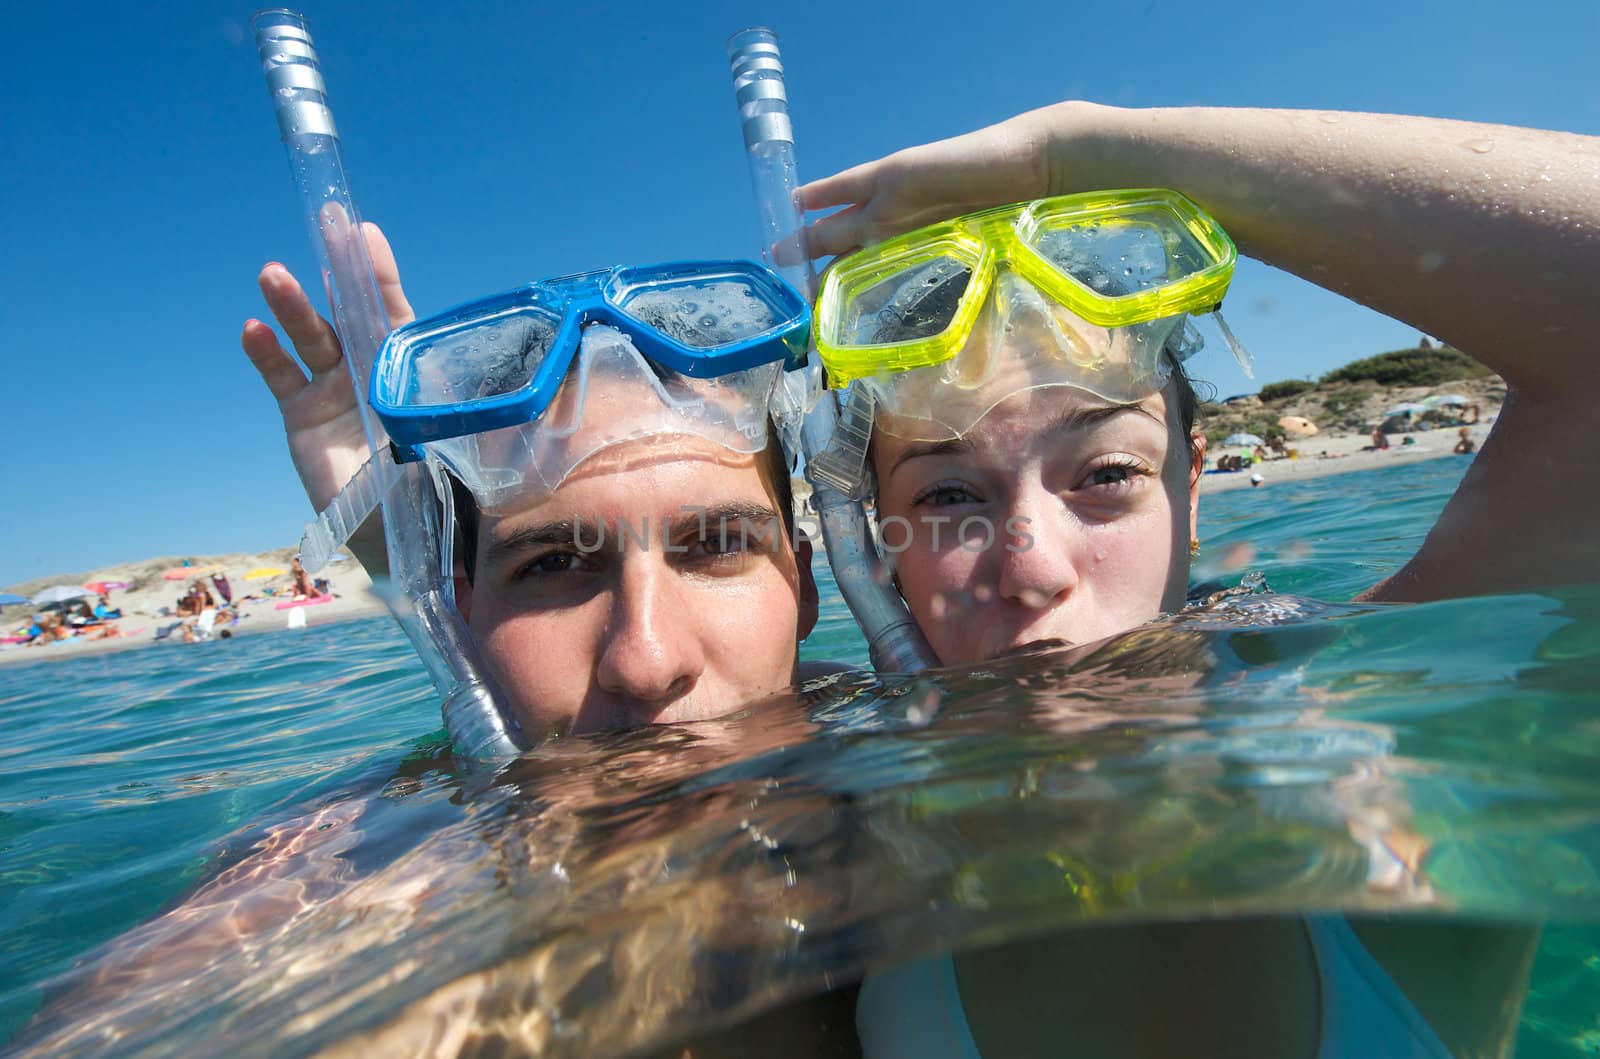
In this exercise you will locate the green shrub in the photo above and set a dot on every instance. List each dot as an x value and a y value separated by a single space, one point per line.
1411 367
1274 391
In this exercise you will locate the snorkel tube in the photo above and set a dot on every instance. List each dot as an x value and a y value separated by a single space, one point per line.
420 595
836 477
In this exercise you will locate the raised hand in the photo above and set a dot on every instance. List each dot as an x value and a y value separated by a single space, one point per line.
321 418
1003 163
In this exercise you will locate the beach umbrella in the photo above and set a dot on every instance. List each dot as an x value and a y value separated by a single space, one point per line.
262 573
1298 425
6 599
183 573
100 588
1445 398
1242 439
59 594
1409 408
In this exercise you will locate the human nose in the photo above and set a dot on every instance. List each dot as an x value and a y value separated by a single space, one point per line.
652 653
1038 562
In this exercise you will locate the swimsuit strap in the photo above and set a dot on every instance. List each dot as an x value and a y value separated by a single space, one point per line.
914 1011
1363 1012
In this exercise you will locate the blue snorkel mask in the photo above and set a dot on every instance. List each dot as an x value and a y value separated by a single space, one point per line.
510 393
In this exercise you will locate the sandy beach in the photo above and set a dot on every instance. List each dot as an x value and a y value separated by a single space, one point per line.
1340 454
149 592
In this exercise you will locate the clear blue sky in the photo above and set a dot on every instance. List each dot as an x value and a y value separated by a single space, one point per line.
142 186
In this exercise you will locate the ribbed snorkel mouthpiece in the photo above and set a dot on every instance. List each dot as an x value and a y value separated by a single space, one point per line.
294 76
758 86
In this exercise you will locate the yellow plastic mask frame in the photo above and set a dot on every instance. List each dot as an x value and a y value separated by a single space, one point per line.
1010 235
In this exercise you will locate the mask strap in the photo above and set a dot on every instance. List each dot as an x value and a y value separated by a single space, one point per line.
1247 363
843 464
337 523
447 528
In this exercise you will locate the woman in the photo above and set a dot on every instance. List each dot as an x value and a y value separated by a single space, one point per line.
1488 248
302 581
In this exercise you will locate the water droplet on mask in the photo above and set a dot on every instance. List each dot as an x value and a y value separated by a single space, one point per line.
1479 146
1330 117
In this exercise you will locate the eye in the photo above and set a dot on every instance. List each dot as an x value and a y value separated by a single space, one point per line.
729 542
554 564
945 494
733 542
1115 474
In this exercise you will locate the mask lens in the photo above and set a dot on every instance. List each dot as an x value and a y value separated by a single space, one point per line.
704 313
918 302
462 360
1121 255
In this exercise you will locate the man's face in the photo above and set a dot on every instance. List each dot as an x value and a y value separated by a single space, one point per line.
613 603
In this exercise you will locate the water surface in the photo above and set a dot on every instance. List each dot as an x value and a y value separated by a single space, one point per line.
1269 753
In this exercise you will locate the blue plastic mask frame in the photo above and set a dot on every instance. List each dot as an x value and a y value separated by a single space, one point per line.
572 302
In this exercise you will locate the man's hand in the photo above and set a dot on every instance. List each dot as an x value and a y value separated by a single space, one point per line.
321 418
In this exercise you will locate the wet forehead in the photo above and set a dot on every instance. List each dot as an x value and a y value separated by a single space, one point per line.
1046 414
653 477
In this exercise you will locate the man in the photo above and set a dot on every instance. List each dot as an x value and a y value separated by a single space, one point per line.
583 624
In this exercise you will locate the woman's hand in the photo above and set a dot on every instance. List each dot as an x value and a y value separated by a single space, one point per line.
321 417
1008 162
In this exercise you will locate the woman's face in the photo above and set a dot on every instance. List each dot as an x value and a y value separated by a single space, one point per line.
1060 516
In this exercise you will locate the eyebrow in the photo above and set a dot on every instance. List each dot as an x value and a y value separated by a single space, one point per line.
562 532
540 535
1065 423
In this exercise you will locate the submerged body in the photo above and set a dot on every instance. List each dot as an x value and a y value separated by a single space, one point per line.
1035 799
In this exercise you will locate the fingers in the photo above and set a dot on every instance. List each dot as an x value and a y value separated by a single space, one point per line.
388 273
277 369
851 186
839 232
312 336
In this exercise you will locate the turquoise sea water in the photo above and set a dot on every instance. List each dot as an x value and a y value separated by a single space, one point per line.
621 890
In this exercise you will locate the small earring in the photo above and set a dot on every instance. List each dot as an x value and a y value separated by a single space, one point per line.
1194 547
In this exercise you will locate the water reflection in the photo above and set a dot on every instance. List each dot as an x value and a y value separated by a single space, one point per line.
1258 755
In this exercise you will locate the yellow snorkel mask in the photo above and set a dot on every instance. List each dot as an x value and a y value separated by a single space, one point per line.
938 325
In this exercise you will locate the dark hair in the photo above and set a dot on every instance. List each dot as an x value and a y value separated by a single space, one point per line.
776 465
1188 399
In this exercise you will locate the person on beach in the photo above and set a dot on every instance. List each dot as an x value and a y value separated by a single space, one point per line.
1380 440
1465 446
300 581
583 638
1489 248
